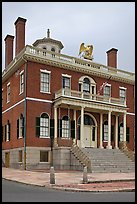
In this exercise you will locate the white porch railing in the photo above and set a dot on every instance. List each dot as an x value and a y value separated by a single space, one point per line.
87 96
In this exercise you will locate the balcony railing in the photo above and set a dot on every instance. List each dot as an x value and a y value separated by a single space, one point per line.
90 97
71 61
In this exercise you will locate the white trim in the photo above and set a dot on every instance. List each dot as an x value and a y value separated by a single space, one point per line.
45 71
108 84
8 84
37 99
22 72
45 92
130 113
13 106
28 98
66 75
121 87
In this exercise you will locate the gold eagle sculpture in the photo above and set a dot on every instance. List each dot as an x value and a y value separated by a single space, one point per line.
87 51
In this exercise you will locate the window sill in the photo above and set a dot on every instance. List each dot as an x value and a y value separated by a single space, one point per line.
45 92
21 93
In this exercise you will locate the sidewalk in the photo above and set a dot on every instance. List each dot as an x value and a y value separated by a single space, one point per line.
73 180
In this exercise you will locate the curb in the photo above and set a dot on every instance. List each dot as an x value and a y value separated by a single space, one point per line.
53 186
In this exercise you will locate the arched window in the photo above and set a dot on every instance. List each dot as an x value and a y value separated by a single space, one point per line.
88 120
105 131
65 127
44 53
86 85
121 132
44 125
53 50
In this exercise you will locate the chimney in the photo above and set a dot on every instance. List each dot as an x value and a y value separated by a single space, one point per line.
8 49
20 34
112 57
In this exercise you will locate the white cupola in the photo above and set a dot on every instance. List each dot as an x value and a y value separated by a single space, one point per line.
49 43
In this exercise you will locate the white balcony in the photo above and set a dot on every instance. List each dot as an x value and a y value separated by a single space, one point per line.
89 97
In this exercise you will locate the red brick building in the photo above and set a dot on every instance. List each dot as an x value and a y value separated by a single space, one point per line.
46 94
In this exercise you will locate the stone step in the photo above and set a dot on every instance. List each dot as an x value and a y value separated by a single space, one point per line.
109 160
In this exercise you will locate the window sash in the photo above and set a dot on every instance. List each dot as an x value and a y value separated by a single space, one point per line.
45 82
66 82
107 90
22 83
8 93
105 132
65 128
44 127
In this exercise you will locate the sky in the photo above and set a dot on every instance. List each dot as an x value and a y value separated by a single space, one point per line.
104 25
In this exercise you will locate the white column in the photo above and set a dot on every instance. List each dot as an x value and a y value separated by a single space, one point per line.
82 126
109 131
116 133
55 126
75 125
101 121
124 127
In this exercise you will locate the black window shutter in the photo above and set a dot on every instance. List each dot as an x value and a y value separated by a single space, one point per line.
73 129
59 128
5 132
23 128
78 132
118 133
51 128
17 128
127 134
103 132
37 126
112 132
2 134
9 130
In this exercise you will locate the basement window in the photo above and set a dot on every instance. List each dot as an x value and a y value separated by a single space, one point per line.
44 155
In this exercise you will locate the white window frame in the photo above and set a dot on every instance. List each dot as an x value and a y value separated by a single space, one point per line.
46 127
66 128
107 85
20 127
8 92
2 98
7 132
45 72
66 76
21 83
105 136
122 89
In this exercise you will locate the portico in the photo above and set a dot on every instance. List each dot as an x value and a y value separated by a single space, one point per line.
97 131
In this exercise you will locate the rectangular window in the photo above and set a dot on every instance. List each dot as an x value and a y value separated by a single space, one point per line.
21 82
44 127
45 82
2 97
107 91
8 92
44 155
66 82
8 132
20 156
122 95
65 128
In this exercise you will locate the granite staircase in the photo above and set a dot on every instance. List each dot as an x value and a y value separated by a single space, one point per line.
109 160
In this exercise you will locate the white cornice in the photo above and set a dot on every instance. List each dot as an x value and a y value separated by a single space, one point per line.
67 62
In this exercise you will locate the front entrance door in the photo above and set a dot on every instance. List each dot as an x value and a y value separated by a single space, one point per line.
7 159
90 137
